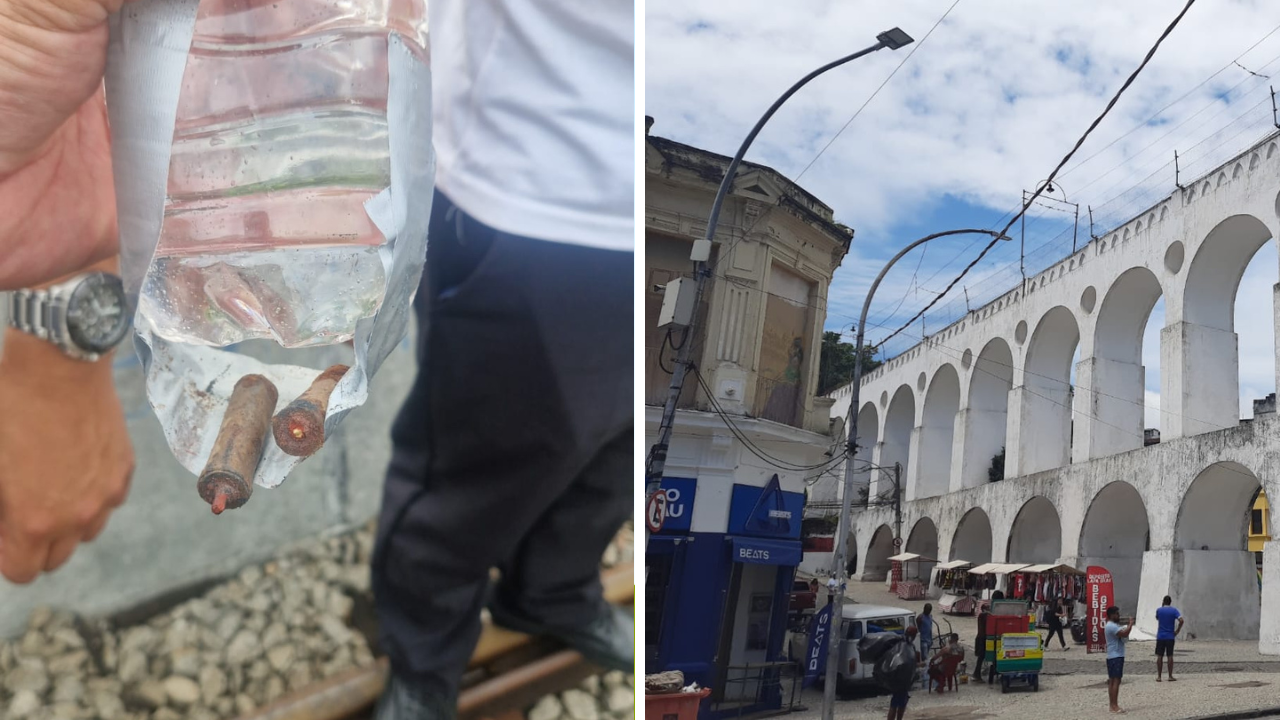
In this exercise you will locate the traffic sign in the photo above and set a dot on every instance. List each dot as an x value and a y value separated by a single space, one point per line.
897 542
656 511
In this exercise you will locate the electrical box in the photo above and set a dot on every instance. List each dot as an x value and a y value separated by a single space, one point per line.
677 303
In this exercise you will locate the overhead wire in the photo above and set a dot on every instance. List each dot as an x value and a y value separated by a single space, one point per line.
1067 158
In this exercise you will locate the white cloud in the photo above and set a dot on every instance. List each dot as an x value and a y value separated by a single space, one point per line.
985 108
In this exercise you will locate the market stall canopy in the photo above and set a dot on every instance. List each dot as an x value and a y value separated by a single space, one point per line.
909 557
953 564
997 568
1061 569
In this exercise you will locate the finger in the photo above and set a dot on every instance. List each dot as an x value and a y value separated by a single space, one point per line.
95 527
59 551
22 559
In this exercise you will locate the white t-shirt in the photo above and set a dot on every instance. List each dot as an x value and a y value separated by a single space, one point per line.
535 116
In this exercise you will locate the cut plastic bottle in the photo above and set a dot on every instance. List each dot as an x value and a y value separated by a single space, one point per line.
281 137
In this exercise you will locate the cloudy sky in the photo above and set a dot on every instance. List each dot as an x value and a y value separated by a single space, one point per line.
985 107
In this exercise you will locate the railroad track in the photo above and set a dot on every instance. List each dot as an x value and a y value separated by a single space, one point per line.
508 672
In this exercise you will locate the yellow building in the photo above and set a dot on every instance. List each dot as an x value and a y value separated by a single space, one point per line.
1259 525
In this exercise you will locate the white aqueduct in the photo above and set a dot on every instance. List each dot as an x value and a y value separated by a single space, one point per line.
1080 487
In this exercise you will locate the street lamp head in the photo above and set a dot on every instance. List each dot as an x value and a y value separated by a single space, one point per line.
894 39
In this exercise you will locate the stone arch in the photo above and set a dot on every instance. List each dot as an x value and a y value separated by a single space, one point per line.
899 421
1115 534
851 564
1213 577
972 538
1045 430
986 418
1036 533
879 550
937 433
868 436
1115 376
922 540
1207 332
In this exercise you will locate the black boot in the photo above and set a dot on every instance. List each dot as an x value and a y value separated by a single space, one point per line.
403 700
608 640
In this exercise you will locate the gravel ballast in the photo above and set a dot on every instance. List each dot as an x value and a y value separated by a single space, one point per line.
274 628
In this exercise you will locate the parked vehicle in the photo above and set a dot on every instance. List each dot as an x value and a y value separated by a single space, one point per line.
858 620
802 598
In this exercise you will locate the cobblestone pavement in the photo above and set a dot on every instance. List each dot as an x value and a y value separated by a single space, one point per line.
274 628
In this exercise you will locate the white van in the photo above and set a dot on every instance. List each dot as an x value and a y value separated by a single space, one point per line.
858 620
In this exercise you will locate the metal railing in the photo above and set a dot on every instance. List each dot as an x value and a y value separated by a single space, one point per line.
759 687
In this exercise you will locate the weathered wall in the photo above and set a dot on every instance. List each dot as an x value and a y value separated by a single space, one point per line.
164 538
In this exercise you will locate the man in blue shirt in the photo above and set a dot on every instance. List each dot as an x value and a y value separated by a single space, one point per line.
1116 638
1166 632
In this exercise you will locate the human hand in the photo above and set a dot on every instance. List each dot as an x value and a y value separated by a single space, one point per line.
65 457
57 201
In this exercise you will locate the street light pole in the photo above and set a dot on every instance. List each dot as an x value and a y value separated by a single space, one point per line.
657 461
842 529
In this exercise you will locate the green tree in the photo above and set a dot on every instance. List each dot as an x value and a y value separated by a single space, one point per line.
835 364
995 473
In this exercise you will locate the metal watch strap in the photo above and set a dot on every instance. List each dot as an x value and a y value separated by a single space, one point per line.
34 312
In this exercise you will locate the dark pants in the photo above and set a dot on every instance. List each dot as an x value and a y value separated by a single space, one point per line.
514 447
1052 630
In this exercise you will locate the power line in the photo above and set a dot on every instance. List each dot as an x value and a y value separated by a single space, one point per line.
1129 81
875 92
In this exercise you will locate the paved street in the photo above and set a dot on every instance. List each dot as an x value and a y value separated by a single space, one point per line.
1214 677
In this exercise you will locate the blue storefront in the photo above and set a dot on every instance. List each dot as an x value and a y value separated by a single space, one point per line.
716 602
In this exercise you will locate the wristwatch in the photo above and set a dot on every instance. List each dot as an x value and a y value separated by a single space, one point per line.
84 316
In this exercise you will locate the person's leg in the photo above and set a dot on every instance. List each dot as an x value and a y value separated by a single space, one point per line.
1169 649
485 444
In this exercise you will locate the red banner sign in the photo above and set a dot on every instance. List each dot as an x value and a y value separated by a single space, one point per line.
1100 593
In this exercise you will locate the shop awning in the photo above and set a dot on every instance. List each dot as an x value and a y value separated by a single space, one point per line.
997 568
766 552
953 564
911 557
1062 569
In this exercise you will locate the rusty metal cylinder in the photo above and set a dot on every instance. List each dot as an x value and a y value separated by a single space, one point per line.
299 428
227 479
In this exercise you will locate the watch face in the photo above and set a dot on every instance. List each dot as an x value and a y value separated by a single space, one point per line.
97 316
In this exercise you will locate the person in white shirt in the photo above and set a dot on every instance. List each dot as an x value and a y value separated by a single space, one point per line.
514 448
1117 635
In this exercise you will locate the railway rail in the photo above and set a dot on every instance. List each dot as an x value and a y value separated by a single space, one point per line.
508 672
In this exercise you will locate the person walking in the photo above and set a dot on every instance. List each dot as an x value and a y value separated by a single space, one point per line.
1117 636
980 642
1054 619
924 623
900 697
1168 624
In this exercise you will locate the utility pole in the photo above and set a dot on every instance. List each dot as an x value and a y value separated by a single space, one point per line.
839 559
701 253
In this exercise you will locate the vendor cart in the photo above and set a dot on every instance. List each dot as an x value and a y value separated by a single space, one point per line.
912 587
992 577
1019 659
1016 648
957 586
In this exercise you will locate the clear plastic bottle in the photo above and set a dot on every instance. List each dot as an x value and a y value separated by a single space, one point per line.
281 136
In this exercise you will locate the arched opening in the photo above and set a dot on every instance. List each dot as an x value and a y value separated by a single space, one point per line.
1116 382
1214 578
923 540
972 540
1207 337
1036 534
868 435
1115 534
1045 432
879 550
899 420
987 417
851 565
937 433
